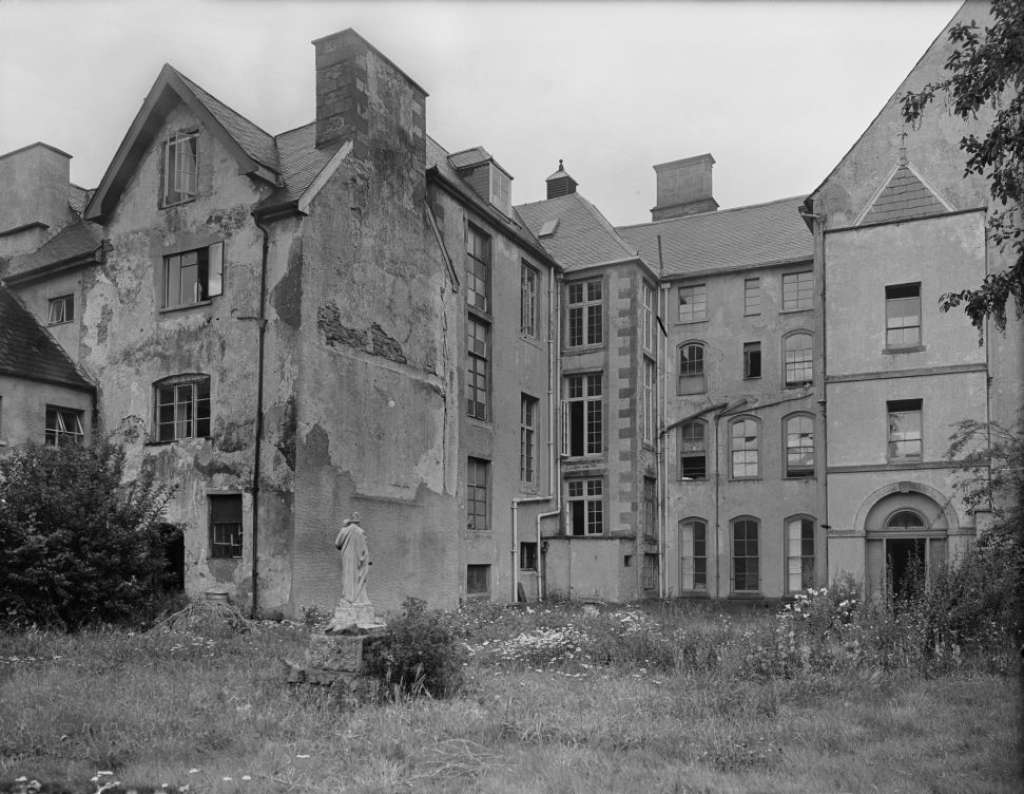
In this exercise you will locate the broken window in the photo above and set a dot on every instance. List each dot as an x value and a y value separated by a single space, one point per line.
586 506
693 561
693 303
226 526
63 426
582 416
693 451
61 310
800 446
478 336
192 277
182 407
181 168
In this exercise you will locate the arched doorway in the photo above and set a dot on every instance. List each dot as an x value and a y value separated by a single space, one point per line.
906 529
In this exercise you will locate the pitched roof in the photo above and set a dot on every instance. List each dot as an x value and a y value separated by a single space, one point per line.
28 351
257 143
300 161
760 234
904 196
440 162
79 240
582 237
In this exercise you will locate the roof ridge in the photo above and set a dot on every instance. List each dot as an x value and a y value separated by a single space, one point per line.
599 216
193 84
715 213
293 129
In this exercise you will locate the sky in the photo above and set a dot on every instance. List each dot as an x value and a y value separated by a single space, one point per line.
777 92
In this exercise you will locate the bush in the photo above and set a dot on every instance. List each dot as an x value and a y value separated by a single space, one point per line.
419 654
77 546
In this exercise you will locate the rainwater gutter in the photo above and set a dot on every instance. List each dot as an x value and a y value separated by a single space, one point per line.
261 322
554 493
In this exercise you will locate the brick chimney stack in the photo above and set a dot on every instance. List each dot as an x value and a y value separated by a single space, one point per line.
684 187
363 97
36 188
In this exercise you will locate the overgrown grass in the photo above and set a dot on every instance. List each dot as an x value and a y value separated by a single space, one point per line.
664 697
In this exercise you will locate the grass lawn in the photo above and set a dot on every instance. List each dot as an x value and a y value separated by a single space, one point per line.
214 712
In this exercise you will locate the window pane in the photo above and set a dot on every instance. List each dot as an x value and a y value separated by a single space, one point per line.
797 291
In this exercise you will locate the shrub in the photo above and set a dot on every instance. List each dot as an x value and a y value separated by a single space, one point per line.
77 546
419 654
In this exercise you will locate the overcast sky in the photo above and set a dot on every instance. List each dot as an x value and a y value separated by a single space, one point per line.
777 92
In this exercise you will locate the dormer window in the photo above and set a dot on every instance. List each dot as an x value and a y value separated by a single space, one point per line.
181 168
501 189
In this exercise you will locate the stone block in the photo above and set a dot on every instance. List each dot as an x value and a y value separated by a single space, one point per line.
335 652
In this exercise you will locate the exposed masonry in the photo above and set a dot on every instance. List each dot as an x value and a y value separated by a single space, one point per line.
373 340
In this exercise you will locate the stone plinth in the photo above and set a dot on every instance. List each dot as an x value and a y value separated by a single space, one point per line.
353 619
336 661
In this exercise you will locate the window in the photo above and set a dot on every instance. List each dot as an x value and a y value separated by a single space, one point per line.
797 291
528 439
528 301
650 507
582 422
691 369
528 556
800 538
586 507
476 494
905 519
61 310
693 460
904 429
182 407
693 303
744 555
751 360
181 168
800 446
63 426
226 526
744 448
650 572
903 315
584 313
478 579
478 277
693 550
477 352
193 276
648 391
751 296
798 353
647 317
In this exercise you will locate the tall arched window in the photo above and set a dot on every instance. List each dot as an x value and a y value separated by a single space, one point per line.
744 448
693 554
693 451
745 558
182 407
798 354
799 436
691 368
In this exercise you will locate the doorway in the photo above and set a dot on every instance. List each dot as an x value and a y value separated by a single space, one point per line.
905 566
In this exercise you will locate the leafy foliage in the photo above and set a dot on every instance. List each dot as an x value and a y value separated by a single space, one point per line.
77 546
986 68
419 654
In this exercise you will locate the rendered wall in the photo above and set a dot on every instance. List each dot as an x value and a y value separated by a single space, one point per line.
23 409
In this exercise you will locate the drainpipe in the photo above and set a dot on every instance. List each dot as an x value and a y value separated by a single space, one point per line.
659 440
553 493
261 322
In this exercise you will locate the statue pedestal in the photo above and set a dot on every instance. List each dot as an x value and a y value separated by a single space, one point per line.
336 661
353 619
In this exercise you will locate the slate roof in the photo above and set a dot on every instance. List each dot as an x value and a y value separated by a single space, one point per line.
300 162
257 143
439 159
28 351
904 197
725 239
77 240
583 237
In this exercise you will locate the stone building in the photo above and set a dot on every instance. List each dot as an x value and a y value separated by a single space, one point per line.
520 401
897 224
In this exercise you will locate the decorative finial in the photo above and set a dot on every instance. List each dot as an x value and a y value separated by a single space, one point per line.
903 148
559 163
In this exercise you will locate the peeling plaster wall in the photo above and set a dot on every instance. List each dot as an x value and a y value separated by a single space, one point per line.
373 402
23 410
127 342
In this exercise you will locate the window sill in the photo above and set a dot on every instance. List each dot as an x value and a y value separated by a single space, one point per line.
172 309
166 205
693 479
798 477
751 377
895 351
746 595
690 322
745 479
593 346
796 311
804 384
62 322
175 441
